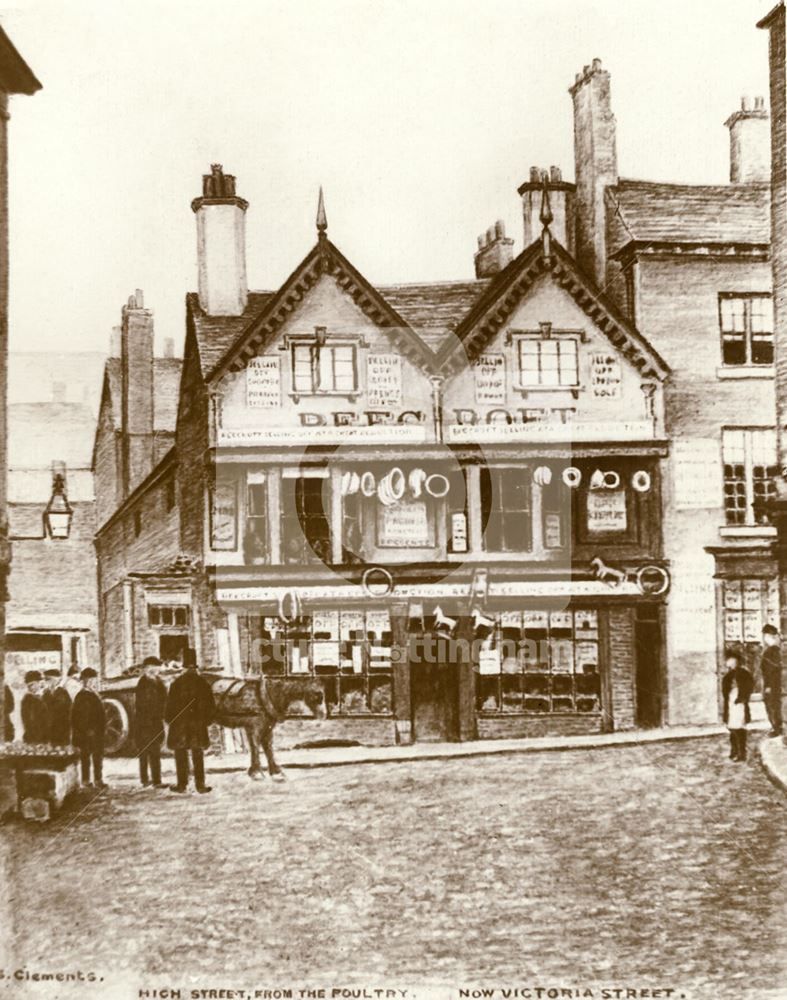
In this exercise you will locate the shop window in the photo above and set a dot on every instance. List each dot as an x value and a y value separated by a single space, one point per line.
548 362
750 471
349 650
255 539
324 367
305 532
506 509
747 605
746 329
541 662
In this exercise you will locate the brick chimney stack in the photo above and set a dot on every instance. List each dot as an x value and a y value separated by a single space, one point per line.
221 245
750 143
561 200
495 251
595 165
136 365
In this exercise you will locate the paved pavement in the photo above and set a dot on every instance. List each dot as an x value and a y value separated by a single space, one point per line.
124 768
644 867
773 754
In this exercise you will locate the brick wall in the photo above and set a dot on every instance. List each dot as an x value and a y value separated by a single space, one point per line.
622 666
106 465
502 727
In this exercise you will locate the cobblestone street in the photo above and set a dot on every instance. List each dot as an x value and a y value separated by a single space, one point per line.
652 867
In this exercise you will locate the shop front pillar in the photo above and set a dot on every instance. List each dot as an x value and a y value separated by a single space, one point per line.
468 727
400 668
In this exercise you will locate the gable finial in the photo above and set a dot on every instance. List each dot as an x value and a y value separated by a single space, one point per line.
545 215
322 218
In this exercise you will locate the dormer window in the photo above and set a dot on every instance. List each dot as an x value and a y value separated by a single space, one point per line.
324 365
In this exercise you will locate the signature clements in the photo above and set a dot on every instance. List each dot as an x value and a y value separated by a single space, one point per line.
34 976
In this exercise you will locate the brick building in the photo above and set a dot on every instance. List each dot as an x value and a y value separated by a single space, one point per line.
52 618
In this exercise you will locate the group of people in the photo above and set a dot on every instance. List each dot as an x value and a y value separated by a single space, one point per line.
63 711
737 686
187 708
69 711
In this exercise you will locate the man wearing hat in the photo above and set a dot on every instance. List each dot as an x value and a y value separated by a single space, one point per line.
149 705
771 670
58 703
35 713
189 711
87 728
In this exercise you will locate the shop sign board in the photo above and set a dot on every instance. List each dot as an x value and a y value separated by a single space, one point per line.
263 383
606 511
489 373
404 525
605 375
383 380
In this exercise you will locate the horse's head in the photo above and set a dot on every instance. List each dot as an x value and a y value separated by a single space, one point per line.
314 699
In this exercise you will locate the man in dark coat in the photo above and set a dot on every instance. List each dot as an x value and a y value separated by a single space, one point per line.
190 709
35 713
150 703
58 703
771 669
87 728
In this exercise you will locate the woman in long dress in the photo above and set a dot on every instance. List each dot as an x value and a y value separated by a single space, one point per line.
736 689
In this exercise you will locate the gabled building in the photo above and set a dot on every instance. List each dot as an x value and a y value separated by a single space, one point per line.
359 470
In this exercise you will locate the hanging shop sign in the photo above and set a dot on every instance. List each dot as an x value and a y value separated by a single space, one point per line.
383 380
458 532
548 424
224 515
404 525
605 375
606 510
263 383
489 373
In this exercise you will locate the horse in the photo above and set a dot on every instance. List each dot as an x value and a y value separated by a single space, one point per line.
256 704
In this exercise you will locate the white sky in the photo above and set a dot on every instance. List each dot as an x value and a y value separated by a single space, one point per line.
419 117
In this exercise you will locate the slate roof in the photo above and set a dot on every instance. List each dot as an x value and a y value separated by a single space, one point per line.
216 334
434 309
692 213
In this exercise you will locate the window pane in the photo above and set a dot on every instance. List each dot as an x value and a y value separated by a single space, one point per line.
733 315
763 447
733 446
733 349
762 349
325 359
762 314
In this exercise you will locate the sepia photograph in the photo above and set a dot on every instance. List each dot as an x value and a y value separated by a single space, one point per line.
393 500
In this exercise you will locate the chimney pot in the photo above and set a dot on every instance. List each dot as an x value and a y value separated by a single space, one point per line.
745 104
535 175
759 103
596 64
500 230
140 297
490 235
555 175
495 251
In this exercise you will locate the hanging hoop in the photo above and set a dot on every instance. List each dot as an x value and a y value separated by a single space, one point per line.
377 581
289 607
611 480
572 477
368 484
396 483
437 485
416 481
652 581
640 481
542 476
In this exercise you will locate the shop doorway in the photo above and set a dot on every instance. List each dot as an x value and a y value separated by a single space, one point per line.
434 692
647 642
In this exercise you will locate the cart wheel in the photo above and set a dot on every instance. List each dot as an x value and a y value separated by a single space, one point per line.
116 728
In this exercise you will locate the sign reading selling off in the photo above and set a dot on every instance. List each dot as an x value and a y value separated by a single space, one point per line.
263 383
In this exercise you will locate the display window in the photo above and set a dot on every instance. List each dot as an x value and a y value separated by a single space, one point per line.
540 662
747 605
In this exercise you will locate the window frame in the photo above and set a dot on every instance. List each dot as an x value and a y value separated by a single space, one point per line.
316 343
492 471
751 519
748 333
539 338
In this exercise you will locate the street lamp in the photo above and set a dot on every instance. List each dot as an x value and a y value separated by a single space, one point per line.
58 513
